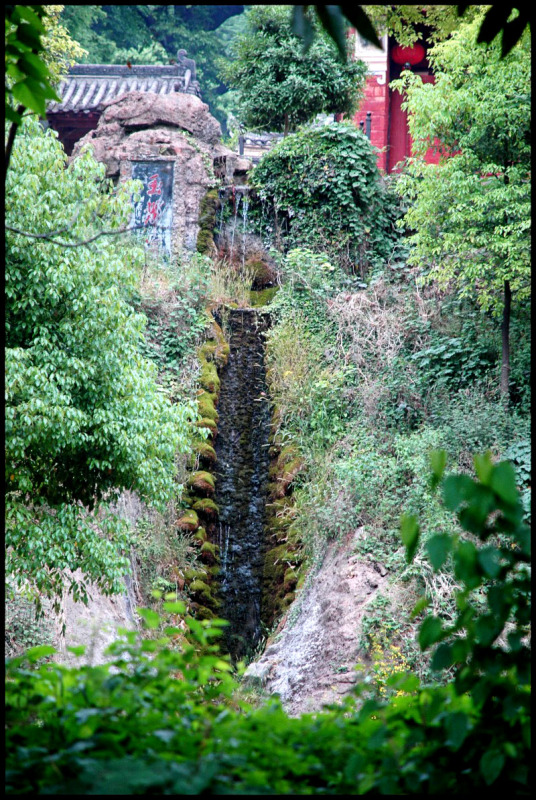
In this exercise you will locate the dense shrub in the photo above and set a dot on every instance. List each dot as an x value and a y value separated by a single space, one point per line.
85 416
321 188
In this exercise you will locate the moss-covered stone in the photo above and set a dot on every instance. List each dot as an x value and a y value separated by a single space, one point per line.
191 573
188 521
207 508
203 482
200 589
202 612
209 379
287 600
290 579
207 350
207 406
262 297
209 424
263 273
200 535
208 210
206 452
209 553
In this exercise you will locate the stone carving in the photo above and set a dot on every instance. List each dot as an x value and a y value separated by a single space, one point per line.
178 128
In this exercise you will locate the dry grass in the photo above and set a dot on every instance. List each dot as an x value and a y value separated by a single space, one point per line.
230 283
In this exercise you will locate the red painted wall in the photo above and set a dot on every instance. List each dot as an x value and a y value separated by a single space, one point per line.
389 129
376 101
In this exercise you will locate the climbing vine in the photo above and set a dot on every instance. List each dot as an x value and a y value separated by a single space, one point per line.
321 188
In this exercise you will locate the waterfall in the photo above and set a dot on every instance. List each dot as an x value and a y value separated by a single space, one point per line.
242 478
245 206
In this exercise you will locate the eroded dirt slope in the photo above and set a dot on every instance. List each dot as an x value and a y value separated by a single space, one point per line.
311 662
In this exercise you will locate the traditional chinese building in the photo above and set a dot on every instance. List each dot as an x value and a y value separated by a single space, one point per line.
86 90
380 115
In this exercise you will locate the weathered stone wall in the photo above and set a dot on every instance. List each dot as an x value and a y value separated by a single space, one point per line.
141 126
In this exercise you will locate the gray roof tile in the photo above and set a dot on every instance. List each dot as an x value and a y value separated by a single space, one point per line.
88 86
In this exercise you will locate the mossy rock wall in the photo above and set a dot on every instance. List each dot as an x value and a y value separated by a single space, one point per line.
283 555
200 515
208 212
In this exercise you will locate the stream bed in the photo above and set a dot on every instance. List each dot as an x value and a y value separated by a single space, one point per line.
242 478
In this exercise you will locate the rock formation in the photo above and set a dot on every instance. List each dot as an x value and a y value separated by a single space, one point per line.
178 128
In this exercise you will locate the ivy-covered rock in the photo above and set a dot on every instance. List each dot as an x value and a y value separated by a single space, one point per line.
322 187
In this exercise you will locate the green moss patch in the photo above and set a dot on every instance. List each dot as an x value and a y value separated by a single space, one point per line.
206 452
207 508
202 481
207 406
200 589
209 379
263 274
200 535
208 210
209 553
189 521
262 297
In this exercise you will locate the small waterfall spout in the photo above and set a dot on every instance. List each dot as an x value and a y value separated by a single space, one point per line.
242 478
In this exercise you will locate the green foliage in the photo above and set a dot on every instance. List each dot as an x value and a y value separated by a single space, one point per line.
165 720
23 627
321 188
279 85
471 213
84 416
29 79
173 299
487 644
405 23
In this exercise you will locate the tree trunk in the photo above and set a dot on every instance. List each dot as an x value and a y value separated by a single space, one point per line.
505 331
285 132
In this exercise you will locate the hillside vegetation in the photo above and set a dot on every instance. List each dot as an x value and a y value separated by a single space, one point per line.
398 366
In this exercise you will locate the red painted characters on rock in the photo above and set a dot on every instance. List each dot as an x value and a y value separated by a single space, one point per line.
153 209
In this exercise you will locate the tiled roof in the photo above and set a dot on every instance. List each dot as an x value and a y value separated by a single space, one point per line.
88 86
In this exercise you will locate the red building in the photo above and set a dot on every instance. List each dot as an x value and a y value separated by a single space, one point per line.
380 115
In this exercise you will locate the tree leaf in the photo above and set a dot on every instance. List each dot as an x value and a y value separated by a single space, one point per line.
23 94
438 548
360 21
503 482
483 467
443 657
457 725
438 460
491 765
456 490
409 532
150 617
430 632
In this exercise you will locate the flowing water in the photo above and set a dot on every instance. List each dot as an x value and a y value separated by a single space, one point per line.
242 478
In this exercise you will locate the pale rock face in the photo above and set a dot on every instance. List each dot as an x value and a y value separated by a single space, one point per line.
147 110
142 126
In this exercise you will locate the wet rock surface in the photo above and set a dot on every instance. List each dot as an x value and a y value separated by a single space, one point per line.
241 479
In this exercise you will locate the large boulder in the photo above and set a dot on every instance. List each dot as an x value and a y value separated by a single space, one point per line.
142 126
135 110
